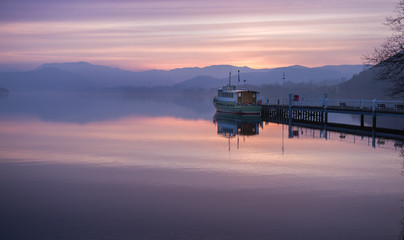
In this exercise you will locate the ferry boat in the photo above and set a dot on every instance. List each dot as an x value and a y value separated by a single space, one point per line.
237 101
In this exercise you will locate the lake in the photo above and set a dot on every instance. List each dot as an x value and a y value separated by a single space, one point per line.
77 166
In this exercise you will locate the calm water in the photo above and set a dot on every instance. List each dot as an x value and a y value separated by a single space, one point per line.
119 167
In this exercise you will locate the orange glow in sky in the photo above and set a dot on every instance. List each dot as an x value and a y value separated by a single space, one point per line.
141 35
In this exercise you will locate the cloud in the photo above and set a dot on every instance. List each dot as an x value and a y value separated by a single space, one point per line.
163 34
94 10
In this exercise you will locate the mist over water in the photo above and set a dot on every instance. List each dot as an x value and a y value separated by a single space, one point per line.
83 107
78 166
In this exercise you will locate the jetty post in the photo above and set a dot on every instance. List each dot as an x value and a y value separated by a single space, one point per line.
317 114
374 113
290 115
362 115
325 112
324 118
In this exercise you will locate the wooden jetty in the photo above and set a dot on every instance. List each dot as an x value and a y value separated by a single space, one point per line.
310 111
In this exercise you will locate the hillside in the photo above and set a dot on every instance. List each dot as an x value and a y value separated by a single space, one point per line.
365 86
84 76
49 79
328 75
205 82
362 85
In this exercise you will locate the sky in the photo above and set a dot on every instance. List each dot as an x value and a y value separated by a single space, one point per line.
155 34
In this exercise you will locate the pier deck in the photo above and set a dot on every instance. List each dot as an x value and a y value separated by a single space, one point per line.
317 111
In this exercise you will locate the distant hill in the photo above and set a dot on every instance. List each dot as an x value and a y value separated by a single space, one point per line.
49 79
81 75
364 85
112 77
216 71
330 75
327 75
205 82
102 75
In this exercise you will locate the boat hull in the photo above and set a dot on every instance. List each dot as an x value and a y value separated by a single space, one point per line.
234 108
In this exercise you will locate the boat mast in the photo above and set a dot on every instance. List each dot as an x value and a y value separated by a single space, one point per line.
229 78
238 77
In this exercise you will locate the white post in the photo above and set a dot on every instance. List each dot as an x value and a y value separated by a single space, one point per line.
283 88
374 105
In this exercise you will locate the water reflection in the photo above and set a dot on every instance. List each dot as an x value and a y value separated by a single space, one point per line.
233 126
393 142
86 108
148 175
401 237
230 126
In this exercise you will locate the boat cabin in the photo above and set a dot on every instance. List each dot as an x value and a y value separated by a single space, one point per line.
230 94
247 97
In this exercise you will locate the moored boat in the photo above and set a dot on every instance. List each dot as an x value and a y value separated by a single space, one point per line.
237 101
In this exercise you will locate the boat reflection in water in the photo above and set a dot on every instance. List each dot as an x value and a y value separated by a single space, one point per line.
230 125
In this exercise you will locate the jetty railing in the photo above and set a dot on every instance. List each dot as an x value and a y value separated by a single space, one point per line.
362 104
370 105
300 111
317 109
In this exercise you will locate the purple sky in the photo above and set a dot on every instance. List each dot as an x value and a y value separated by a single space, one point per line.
152 34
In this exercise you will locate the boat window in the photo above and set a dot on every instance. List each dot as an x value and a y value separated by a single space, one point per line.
226 94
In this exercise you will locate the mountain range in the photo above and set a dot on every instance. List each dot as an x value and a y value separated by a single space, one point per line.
80 76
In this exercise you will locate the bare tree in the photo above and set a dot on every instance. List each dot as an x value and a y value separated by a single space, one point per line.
388 58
